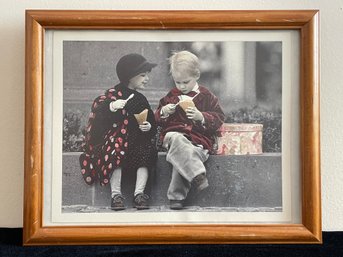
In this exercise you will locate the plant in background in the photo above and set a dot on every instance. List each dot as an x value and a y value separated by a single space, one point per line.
73 133
271 120
73 137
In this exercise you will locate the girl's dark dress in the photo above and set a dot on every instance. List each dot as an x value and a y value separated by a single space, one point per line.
113 139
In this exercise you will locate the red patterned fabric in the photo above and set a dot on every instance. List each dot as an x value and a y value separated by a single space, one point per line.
106 140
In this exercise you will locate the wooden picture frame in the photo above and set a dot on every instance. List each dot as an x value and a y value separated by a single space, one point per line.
306 22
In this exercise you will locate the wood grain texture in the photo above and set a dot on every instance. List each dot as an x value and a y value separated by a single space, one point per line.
310 126
306 21
130 20
174 234
33 128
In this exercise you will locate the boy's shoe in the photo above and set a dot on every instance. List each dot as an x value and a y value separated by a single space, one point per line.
200 182
117 203
141 201
176 204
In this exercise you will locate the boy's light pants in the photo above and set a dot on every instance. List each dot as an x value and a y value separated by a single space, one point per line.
188 162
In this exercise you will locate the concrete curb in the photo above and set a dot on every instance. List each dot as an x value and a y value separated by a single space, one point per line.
246 181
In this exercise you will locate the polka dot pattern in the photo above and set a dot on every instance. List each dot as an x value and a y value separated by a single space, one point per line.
120 142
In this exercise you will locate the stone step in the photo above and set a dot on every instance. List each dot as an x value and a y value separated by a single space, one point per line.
237 181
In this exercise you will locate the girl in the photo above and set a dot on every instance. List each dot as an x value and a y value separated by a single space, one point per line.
114 139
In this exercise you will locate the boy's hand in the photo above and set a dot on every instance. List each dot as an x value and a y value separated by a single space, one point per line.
194 114
118 104
168 109
145 127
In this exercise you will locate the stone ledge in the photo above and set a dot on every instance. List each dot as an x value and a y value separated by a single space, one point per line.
236 181
164 208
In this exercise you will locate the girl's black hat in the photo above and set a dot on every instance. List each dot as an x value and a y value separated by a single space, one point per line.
131 65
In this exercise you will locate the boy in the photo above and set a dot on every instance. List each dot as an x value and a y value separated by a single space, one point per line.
188 134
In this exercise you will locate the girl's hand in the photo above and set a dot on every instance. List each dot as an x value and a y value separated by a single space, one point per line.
145 127
194 114
168 109
118 104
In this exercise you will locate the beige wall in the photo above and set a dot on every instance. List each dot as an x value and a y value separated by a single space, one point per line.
12 66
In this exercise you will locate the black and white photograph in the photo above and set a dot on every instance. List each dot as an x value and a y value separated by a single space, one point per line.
188 129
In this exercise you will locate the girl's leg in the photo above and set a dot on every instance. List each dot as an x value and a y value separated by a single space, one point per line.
117 200
116 182
142 178
141 200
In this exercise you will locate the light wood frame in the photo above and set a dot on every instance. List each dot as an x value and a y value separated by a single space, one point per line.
306 21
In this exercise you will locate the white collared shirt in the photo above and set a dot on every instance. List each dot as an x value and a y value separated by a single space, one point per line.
186 97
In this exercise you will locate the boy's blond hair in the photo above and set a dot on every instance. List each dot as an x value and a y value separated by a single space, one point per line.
184 61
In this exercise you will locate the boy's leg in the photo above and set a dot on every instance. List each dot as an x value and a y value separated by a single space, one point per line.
178 187
188 162
186 158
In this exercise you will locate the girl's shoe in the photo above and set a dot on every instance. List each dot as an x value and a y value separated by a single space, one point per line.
117 203
141 201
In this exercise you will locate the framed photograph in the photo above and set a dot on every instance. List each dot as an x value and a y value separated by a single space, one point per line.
172 127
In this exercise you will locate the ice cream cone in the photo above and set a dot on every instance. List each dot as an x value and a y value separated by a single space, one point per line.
141 117
186 103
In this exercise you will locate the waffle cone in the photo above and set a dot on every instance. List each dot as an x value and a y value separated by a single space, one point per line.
141 117
186 103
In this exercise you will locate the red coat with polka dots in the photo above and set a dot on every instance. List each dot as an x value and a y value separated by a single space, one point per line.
113 139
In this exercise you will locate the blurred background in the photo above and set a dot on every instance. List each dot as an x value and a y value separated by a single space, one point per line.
245 76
